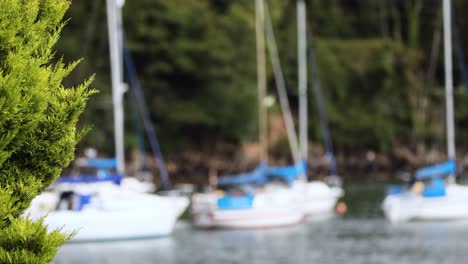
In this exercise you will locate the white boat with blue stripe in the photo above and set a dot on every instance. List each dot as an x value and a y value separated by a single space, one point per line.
432 193
429 196
106 207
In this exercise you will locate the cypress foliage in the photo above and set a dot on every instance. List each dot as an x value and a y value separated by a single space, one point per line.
38 117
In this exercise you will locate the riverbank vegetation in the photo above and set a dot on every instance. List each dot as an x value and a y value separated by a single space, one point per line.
380 63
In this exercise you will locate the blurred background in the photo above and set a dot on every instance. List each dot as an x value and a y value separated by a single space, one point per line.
380 62
381 67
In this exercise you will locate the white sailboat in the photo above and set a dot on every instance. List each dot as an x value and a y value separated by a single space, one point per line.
319 198
268 206
103 210
273 204
113 213
434 195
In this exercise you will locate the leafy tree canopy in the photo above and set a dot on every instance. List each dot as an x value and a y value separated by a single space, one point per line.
38 117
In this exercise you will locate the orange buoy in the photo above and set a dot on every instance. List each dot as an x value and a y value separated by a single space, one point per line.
341 208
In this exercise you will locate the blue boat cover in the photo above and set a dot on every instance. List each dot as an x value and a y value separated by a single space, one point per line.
394 189
287 173
83 199
115 178
435 189
233 202
103 174
256 177
101 163
446 168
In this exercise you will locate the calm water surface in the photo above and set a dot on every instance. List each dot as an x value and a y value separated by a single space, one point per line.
363 236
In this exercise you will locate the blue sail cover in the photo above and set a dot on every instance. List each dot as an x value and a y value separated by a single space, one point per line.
83 200
394 189
256 177
103 167
115 178
446 168
101 163
287 173
233 202
436 188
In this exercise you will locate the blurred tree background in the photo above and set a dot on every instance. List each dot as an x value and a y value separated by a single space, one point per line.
380 62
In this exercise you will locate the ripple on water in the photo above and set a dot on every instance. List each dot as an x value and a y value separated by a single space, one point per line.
363 236
332 241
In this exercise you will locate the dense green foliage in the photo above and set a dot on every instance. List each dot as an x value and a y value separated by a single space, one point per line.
38 117
364 74
196 60
198 38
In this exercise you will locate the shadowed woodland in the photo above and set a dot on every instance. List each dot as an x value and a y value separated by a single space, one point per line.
380 63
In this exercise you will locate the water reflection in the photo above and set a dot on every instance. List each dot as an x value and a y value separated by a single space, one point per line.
144 251
362 236
331 241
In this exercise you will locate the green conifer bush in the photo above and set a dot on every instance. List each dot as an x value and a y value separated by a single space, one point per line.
38 117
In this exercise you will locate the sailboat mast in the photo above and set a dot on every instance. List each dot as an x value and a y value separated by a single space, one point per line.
115 50
449 80
261 77
302 69
281 87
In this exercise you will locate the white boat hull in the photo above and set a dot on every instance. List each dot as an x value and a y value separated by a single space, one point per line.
411 207
276 205
248 218
95 226
273 208
126 216
319 199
